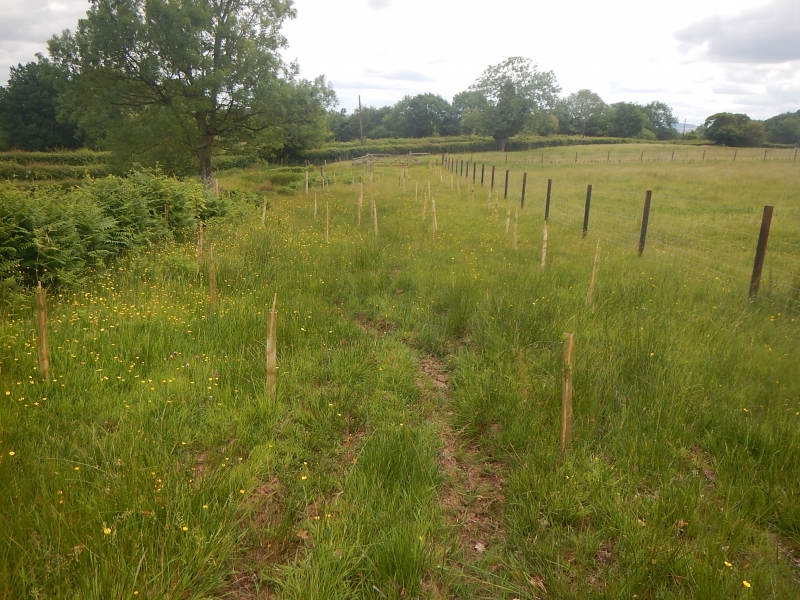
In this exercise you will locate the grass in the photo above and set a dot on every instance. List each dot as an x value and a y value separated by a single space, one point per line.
681 480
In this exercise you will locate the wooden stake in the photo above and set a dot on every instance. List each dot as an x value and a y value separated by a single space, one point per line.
593 281
424 208
375 215
327 222
212 280
516 221
315 206
434 223
566 393
360 203
272 349
306 182
508 219
199 242
41 314
544 245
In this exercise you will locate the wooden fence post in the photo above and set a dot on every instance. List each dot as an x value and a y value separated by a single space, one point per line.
547 202
327 222
524 182
505 190
306 182
586 210
761 252
41 341
483 168
566 391
491 187
645 218
272 350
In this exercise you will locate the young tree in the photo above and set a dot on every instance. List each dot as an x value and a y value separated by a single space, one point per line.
505 97
29 109
161 77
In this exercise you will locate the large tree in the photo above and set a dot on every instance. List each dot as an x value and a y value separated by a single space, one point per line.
734 129
505 97
424 115
166 78
29 109
582 112
661 121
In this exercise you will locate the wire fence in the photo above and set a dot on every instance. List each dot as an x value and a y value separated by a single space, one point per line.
702 237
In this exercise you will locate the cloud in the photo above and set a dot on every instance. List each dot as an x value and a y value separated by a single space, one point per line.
767 34
379 4
28 24
404 75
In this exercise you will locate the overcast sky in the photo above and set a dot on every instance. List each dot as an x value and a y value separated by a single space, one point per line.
698 56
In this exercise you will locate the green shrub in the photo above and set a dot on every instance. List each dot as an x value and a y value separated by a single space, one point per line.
58 236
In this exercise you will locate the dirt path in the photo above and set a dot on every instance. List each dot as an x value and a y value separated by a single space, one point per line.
472 494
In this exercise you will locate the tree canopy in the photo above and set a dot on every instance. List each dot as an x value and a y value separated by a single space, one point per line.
29 110
731 129
506 96
161 80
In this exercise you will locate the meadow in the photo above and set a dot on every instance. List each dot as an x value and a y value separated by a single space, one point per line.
412 448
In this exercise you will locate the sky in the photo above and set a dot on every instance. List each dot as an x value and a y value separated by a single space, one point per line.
699 56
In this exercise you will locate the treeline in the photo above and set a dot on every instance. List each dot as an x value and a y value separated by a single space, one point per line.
582 113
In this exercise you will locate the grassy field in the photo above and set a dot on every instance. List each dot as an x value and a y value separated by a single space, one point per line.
412 449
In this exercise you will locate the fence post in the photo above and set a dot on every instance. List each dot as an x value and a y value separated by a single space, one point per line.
524 181
483 167
586 210
645 218
761 252
547 202
474 171
41 341
491 187
566 391
505 190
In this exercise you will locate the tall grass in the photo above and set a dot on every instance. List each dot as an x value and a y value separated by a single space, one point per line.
680 481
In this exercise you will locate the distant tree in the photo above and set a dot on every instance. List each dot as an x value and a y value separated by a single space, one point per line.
506 96
424 115
180 77
661 121
582 113
783 129
29 109
346 128
627 119
731 129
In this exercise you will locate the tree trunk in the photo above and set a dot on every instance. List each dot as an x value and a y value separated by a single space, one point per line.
204 148
501 144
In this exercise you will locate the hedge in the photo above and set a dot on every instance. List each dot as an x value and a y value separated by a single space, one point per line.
73 158
452 145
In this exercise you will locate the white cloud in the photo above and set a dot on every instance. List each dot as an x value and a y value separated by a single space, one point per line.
767 34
